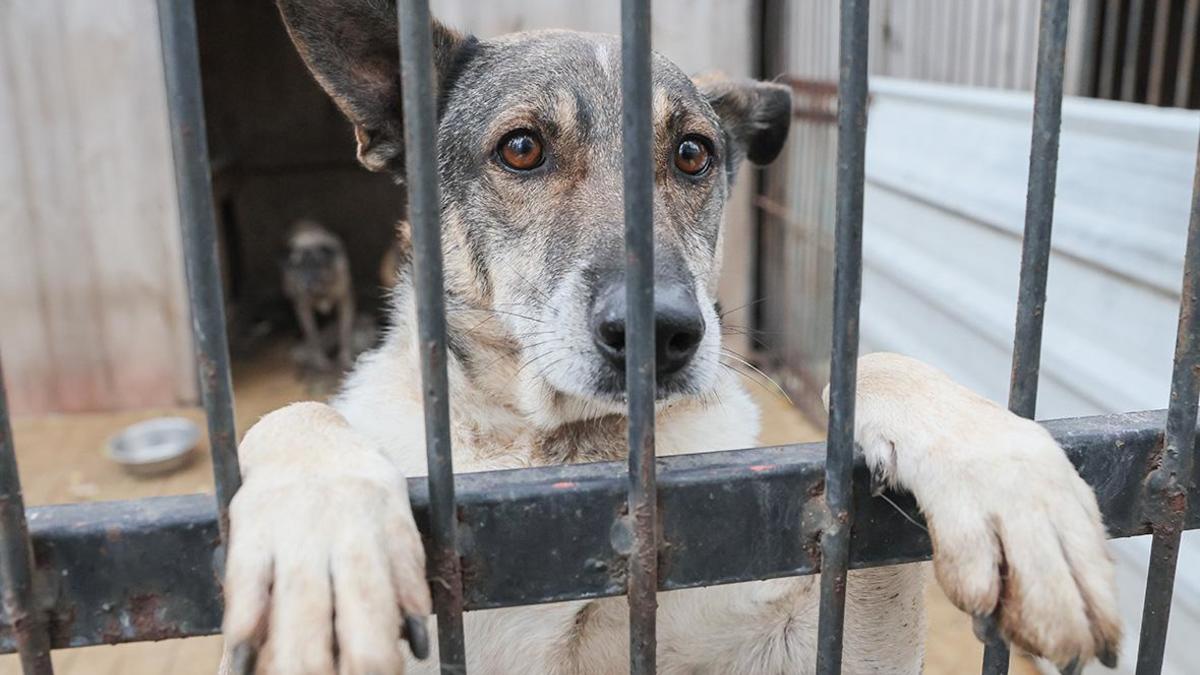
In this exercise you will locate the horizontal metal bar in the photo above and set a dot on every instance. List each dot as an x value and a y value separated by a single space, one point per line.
143 570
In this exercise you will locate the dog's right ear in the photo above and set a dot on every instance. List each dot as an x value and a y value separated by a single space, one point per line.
350 47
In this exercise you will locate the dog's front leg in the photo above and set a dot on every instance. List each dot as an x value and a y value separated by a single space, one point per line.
325 570
306 315
346 330
1017 535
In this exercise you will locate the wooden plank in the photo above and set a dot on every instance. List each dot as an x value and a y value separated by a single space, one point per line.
29 370
60 246
94 219
128 197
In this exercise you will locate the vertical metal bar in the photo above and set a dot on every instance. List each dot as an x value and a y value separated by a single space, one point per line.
1039 207
638 172
1035 247
16 558
420 149
1168 484
193 182
1158 54
1108 50
847 292
1133 50
1187 56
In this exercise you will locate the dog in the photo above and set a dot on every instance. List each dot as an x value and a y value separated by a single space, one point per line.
316 278
325 562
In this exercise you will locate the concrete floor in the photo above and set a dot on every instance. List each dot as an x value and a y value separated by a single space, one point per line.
61 461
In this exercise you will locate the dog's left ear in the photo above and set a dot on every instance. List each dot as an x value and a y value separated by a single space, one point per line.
350 47
755 115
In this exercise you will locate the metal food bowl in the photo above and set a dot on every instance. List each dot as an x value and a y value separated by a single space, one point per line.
155 446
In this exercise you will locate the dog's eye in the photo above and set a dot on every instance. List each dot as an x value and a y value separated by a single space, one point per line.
693 155
521 150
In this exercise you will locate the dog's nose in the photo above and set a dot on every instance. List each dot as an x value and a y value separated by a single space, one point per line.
678 326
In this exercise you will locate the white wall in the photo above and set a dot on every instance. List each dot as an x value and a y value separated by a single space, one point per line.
944 211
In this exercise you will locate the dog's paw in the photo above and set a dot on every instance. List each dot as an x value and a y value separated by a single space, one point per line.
1017 535
326 571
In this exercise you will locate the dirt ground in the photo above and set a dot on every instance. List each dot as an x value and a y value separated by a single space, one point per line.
61 461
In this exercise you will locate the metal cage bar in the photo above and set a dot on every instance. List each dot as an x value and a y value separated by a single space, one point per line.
17 598
1035 245
640 385
726 517
193 183
1167 487
1132 58
101 586
1187 58
420 151
847 293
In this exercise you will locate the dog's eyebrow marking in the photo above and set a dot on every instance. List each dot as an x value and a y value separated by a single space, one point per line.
603 59
566 113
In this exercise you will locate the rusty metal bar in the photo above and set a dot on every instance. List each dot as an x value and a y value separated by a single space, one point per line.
141 570
420 151
847 293
17 599
1035 247
1167 486
193 183
1187 57
640 385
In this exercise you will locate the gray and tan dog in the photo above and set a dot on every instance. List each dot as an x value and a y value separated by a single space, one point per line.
316 278
325 561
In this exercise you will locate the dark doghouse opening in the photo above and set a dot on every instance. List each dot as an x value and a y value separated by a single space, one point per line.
280 152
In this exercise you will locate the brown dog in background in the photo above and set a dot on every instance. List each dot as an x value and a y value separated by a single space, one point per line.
316 278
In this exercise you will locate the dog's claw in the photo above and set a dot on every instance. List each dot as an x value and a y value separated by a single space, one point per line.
985 627
878 481
1108 656
417 636
243 659
1072 668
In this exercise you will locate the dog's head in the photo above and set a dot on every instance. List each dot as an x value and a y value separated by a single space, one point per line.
530 156
314 257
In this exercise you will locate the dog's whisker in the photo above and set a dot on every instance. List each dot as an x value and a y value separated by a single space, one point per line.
901 511
774 390
737 357
726 312
535 358
468 308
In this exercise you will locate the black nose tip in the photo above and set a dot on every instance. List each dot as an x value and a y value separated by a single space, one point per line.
678 326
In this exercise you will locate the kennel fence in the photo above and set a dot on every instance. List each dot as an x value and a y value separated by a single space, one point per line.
84 574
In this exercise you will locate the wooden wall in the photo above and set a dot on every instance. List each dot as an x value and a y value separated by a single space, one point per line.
92 308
